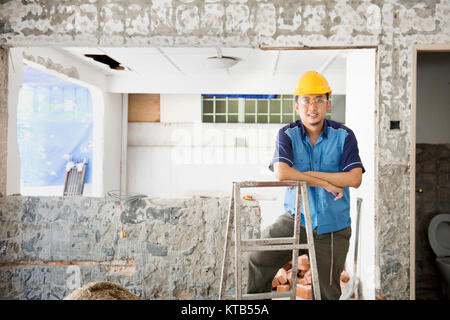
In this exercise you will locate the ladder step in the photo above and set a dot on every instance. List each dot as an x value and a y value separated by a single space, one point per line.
276 247
268 241
253 184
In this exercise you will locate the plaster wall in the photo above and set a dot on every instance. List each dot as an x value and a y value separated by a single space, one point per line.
392 26
181 108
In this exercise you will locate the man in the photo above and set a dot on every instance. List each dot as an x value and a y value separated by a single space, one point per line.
323 153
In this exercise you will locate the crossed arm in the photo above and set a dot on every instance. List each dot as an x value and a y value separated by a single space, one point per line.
332 182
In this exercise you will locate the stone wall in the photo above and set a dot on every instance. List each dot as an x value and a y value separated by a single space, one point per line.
392 26
3 117
171 249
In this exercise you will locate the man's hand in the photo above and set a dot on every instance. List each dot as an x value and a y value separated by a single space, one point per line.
336 191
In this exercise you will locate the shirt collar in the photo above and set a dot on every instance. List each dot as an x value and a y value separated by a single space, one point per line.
324 128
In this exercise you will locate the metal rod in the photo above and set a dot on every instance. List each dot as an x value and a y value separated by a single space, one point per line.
83 178
70 181
65 184
237 241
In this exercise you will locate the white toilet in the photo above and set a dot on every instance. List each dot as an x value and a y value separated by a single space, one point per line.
439 238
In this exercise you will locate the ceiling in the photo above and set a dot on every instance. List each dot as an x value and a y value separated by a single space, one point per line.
156 68
191 61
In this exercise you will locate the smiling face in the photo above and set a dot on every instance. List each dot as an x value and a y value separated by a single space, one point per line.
312 114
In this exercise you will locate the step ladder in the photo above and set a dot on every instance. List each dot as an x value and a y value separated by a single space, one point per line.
268 244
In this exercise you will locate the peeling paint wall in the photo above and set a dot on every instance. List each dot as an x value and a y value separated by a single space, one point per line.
4 52
392 26
172 249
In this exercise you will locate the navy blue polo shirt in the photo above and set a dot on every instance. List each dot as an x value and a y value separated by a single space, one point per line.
336 150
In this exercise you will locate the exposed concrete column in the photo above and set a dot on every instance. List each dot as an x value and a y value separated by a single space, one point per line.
4 51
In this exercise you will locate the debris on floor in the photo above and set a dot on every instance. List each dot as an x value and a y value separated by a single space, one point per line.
102 290
283 279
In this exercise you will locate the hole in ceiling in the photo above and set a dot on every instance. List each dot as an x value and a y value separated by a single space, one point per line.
102 58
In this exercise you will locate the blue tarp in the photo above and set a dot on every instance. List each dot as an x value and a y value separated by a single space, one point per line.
246 96
54 121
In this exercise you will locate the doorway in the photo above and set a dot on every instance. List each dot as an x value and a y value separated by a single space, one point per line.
431 163
149 145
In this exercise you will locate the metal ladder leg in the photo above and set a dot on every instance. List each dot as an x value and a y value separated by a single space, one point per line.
311 248
296 243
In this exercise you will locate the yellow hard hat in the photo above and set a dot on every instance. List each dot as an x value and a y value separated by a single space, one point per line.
312 82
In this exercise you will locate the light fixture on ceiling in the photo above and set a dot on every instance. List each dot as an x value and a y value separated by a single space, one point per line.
220 61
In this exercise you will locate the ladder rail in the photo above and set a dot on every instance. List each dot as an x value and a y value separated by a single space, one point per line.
312 251
296 243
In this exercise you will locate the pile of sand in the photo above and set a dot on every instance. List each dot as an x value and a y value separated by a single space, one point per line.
102 291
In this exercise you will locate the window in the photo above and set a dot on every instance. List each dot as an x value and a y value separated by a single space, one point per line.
255 109
54 123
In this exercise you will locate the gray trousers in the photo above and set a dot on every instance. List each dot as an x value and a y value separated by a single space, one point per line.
263 265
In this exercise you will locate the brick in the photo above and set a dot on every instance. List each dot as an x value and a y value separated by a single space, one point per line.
283 288
281 276
183 295
303 259
303 262
345 276
288 266
275 283
306 279
289 276
304 291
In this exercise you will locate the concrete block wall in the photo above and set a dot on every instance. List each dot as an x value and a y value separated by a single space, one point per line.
392 26
173 249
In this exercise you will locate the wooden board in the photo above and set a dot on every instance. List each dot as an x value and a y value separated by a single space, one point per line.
143 107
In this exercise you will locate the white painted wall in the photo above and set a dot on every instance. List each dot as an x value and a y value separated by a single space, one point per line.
12 158
112 141
175 160
107 115
360 117
433 103
180 108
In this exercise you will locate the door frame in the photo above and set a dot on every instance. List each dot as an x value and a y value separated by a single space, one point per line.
412 192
